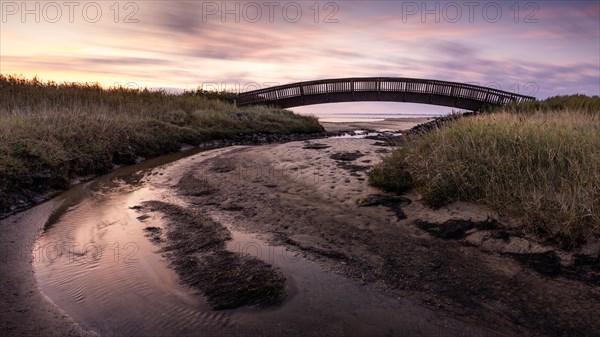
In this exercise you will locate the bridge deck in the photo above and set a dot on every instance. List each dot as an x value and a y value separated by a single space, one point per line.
452 94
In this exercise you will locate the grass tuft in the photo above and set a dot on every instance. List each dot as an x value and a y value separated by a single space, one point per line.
51 132
541 166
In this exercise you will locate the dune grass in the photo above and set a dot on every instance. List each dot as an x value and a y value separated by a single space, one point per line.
51 132
533 162
579 103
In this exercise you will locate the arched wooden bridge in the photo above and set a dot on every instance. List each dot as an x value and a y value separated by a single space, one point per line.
391 89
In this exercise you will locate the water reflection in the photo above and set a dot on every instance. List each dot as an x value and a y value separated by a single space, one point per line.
94 262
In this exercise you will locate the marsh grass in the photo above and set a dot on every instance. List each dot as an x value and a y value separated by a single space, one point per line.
541 166
51 132
579 103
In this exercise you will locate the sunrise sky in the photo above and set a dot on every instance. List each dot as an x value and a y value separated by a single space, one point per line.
539 48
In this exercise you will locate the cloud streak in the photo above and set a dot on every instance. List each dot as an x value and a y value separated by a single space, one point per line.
176 44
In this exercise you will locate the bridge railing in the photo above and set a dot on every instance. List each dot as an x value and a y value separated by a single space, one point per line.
384 84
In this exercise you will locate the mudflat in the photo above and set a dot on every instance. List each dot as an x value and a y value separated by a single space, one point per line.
394 124
462 261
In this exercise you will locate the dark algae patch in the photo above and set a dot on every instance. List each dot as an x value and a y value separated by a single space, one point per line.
538 161
583 268
394 203
192 186
195 246
315 146
474 278
230 280
345 161
454 229
547 263
346 156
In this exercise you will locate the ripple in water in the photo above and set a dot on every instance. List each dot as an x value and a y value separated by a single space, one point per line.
95 263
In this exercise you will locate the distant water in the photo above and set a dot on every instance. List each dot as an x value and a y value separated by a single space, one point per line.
368 117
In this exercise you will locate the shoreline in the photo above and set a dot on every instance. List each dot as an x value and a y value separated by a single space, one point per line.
27 310
19 289
27 199
24 200
462 260
390 124
477 269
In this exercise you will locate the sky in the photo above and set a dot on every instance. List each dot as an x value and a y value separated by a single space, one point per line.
538 48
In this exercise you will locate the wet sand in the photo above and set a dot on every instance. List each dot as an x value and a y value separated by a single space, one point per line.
392 124
314 198
26 311
463 261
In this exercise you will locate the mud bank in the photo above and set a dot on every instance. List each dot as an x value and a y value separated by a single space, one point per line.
195 246
463 263
463 260
18 201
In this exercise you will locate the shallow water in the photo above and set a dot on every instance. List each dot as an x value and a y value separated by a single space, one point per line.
360 134
337 116
94 261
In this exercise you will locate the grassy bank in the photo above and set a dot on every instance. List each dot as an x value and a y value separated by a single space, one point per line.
50 132
539 162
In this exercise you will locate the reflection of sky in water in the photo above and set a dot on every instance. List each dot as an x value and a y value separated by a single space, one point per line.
96 264
341 117
358 134
367 117
371 111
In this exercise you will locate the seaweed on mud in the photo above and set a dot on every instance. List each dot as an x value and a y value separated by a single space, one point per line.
314 247
346 156
382 151
315 146
223 167
344 160
195 246
230 280
153 230
584 268
394 203
546 263
190 185
455 229
154 234
382 144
